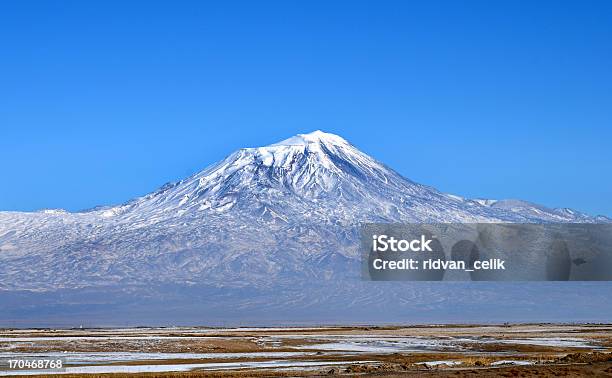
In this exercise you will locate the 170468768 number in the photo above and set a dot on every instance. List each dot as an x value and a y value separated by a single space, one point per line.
35 363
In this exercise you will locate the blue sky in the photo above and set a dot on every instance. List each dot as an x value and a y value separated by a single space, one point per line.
102 101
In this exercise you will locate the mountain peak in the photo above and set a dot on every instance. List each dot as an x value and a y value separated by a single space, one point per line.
316 136
324 173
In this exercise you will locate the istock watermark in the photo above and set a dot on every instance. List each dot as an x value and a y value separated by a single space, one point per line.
487 252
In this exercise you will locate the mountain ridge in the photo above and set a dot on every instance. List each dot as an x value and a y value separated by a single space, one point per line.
274 154
281 221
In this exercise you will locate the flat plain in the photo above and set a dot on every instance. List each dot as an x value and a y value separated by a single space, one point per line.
432 350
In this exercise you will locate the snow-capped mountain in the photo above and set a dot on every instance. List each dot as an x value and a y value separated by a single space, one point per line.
320 172
268 218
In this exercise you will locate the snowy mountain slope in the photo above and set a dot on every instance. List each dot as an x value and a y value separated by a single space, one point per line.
279 217
324 174
314 188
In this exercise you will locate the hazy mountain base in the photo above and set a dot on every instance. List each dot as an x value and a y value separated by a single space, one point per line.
378 303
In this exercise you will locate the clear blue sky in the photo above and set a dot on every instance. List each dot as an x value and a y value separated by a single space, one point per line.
101 101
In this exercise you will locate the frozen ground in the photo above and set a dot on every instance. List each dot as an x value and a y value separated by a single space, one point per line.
301 350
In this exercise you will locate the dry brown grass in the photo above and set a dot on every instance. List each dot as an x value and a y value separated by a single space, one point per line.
476 358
